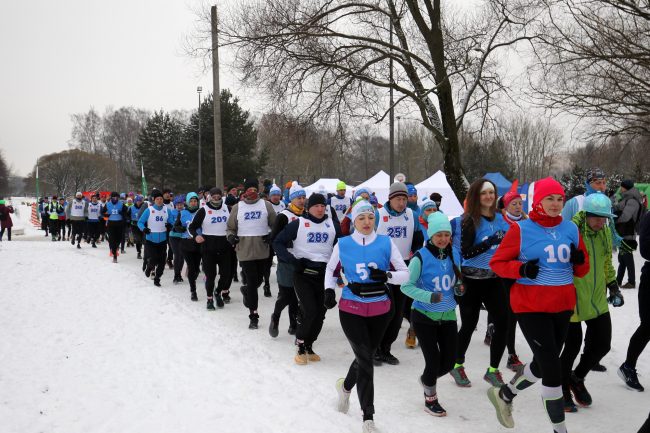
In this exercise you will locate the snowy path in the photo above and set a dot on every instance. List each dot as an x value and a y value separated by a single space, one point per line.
89 346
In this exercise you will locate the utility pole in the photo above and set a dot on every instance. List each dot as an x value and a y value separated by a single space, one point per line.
391 116
198 115
216 98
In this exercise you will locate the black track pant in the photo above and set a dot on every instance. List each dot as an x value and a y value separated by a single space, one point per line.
545 334
645 428
364 335
44 224
641 336
54 228
310 291
287 297
626 263
78 230
597 344
156 254
233 264
438 342
191 252
491 293
2 232
137 238
93 231
175 244
267 271
114 231
392 331
254 273
211 259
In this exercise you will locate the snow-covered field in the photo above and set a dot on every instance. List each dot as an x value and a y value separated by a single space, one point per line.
91 346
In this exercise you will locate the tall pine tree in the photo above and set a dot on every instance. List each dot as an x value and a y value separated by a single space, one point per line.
239 138
159 147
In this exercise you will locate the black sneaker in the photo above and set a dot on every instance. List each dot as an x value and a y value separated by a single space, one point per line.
72 241
78 246
242 289
292 330
210 305
629 376
218 300
432 406
273 327
193 297
388 358
156 282
225 295
147 271
378 359
577 386
569 404
267 291
94 245
599 367
255 320
140 255
170 264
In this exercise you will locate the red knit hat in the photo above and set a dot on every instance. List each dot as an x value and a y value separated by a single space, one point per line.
544 188
512 194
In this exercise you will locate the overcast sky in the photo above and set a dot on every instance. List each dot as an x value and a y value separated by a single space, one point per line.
62 57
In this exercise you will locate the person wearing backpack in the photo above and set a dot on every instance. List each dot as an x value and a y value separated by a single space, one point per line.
629 210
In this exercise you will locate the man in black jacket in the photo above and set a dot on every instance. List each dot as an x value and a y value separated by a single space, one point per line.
628 210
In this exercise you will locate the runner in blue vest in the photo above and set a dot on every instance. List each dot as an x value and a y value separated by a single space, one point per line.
365 308
482 230
175 236
190 249
153 223
116 213
135 212
433 282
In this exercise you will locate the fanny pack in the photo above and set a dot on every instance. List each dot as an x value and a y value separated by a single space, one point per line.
368 290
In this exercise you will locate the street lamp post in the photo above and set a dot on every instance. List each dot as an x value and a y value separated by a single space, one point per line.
198 114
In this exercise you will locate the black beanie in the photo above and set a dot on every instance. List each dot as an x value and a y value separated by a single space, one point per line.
216 191
156 193
315 199
627 184
251 183
115 194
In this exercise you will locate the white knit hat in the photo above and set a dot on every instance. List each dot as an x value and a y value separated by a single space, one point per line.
362 207
296 191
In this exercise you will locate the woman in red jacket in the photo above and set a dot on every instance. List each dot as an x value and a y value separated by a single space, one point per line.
543 253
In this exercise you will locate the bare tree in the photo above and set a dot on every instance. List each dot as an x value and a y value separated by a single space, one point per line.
594 62
74 170
87 132
333 58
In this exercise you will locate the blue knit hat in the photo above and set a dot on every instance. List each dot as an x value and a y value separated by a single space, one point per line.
190 196
411 190
438 222
296 191
275 190
179 199
360 191
426 204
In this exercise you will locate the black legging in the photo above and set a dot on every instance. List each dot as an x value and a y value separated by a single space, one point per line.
175 244
93 231
155 254
254 273
597 344
392 331
364 335
267 271
191 253
212 257
137 238
44 223
310 291
287 297
438 341
77 230
626 263
2 232
545 334
114 231
641 336
491 293
54 228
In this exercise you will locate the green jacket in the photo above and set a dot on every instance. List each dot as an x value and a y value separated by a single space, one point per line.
591 290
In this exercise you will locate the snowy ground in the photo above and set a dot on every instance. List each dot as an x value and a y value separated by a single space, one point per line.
91 346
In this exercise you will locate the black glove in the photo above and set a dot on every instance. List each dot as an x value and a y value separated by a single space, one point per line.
266 239
378 275
577 256
146 230
529 269
615 296
233 239
628 246
178 229
330 299
496 238
168 226
436 297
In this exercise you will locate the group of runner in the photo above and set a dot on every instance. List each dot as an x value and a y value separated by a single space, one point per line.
548 271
